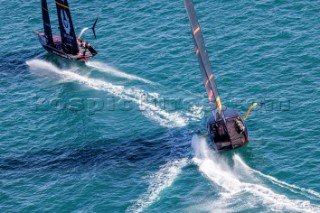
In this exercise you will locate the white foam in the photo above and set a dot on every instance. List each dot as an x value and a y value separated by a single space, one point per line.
150 110
252 192
159 181
195 113
112 71
213 167
280 183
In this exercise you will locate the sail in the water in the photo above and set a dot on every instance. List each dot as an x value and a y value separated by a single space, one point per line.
46 21
203 58
68 36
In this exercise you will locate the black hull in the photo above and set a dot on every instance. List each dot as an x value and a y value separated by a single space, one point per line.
85 52
237 135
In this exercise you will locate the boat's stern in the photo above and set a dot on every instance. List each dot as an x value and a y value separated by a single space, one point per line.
86 51
233 135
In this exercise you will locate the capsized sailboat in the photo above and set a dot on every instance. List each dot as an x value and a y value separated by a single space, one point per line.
67 45
226 127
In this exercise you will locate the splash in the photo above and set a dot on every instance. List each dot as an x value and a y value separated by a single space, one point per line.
291 187
112 71
159 181
195 113
150 110
241 190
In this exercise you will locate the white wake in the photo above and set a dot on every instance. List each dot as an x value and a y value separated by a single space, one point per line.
239 189
158 183
151 111
291 187
112 71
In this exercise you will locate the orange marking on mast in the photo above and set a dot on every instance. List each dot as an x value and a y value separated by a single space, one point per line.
196 31
210 78
210 95
197 51
62 5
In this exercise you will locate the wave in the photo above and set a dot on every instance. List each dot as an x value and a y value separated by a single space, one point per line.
241 189
150 110
159 181
112 71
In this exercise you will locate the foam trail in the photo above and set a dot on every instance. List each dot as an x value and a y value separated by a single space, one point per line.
213 167
151 111
195 113
280 183
233 187
110 70
159 181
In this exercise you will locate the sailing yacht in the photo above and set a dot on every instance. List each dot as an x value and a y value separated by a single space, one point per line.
226 127
67 45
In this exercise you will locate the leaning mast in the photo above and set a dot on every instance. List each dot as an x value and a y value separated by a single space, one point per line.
203 58
46 21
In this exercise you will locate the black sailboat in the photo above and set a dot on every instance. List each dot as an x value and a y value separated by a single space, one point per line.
67 45
226 128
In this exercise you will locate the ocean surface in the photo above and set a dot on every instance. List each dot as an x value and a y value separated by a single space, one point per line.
120 133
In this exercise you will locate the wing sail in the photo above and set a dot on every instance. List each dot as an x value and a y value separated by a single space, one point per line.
68 35
203 58
46 21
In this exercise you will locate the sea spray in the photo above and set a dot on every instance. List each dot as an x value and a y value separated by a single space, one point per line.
159 181
154 112
215 168
115 72
291 187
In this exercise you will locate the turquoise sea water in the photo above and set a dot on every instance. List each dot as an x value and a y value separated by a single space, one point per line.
118 134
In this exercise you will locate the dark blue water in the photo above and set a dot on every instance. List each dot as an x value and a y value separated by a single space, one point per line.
118 134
